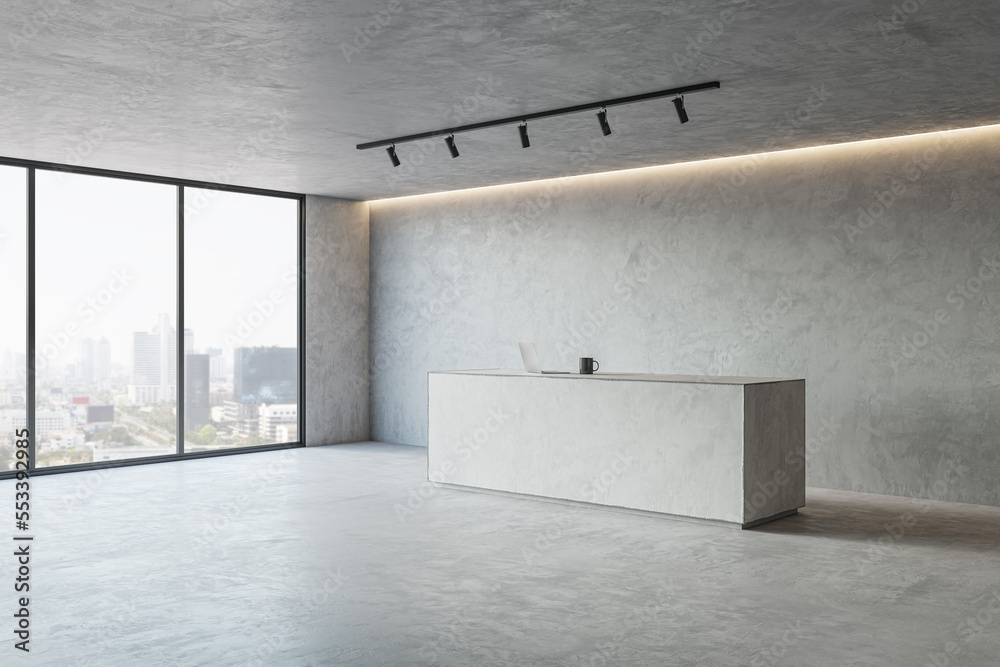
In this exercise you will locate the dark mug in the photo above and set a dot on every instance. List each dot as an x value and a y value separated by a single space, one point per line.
588 365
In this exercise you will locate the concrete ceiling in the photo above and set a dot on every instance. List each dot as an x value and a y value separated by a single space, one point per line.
276 94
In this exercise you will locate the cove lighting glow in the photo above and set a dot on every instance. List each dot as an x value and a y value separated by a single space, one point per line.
806 149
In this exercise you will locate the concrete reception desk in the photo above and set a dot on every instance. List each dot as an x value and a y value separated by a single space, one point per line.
717 449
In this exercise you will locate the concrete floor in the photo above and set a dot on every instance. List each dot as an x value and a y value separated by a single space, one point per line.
330 556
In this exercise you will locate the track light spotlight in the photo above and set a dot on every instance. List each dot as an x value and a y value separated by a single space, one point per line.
450 140
391 150
602 118
522 119
679 105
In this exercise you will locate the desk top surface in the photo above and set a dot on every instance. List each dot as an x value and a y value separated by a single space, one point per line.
634 377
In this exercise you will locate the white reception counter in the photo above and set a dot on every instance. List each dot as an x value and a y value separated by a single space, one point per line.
717 449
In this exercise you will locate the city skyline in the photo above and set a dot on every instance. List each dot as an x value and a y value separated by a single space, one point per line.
92 414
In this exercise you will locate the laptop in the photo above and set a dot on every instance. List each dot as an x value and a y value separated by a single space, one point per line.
529 355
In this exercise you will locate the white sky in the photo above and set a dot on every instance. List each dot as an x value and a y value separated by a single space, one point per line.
240 249
12 258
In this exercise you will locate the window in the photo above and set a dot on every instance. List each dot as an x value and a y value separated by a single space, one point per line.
243 386
146 349
106 301
13 302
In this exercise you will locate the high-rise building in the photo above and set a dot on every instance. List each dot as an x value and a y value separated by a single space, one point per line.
219 368
86 358
272 416
197 411
265 375
102 360
153 376
242 417
144 376
94 360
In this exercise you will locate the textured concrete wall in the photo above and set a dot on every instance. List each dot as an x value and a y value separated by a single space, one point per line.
868 269
336 321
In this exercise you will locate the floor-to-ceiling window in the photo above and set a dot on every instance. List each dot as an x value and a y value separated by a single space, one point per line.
165 317
105 304
13 306
245 247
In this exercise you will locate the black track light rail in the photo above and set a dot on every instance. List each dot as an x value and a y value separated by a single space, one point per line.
542 114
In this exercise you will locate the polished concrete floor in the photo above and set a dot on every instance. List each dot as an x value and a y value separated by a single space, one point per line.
341 556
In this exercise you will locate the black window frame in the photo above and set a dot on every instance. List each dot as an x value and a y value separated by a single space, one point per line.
32 166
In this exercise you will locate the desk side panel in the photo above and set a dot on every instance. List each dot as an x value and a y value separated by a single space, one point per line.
775 424
661 447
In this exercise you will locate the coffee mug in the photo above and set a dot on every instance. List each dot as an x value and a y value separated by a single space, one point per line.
588 365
